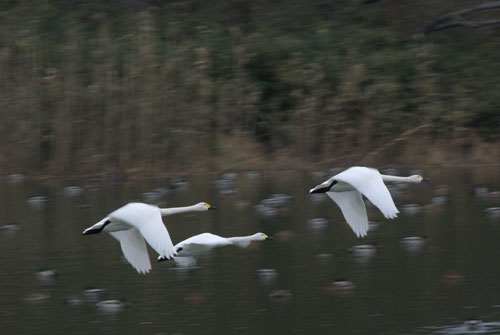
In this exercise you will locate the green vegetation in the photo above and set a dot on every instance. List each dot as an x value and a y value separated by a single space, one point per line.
92 86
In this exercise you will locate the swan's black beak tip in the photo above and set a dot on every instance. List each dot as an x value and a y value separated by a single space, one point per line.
425 180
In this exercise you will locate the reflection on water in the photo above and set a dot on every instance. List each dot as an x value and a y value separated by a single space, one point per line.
315 277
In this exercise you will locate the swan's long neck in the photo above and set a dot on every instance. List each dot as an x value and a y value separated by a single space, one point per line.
241 241
397 179
177 210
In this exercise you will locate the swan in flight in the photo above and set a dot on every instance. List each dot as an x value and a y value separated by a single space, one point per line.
136 222
346 190
189 250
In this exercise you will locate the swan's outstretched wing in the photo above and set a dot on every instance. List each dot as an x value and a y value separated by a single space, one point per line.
134 249
369 182
147 220
352 206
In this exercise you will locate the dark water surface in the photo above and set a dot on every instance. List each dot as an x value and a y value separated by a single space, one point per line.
430 288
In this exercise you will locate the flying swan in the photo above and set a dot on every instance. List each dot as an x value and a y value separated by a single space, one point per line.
136 222
191 249
346 190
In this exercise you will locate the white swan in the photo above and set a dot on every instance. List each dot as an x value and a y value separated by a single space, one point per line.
191 249
136 222
346 190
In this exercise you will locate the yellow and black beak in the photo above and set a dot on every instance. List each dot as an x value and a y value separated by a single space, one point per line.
268 237
210 207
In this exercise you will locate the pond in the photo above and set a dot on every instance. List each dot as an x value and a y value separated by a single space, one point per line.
310 279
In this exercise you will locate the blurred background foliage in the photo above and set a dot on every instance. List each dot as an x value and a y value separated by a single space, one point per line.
129 85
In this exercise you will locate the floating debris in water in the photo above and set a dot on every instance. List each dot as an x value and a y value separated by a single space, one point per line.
73 300
453 277
179 184
229 176
267 276
194 299
280 295
46 275
494 195
151 197
10 228
372 226
439 201
363 252
318 223
317 197
336 170
252 175
285 236
110 306
390 170
36 297
15 178
442 190
492 212
480 192
72 191
324 259
340 286
266 211
94 294
413 243
225 187
412 209
318 175
37 202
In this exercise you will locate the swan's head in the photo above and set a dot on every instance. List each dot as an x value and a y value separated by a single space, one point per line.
417 179
261 237
203 206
